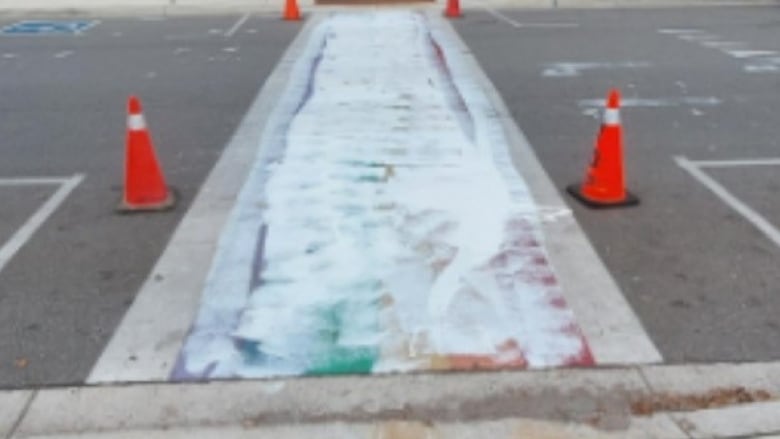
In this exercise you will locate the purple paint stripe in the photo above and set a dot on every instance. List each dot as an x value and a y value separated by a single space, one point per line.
256 279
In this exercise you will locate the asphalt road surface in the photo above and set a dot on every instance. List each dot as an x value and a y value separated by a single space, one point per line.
703 84
62 112
698 84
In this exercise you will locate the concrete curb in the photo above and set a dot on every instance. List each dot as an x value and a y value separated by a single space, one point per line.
596 401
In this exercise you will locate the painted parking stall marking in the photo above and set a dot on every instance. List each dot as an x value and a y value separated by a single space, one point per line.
386 232
696 169
65 186
48 27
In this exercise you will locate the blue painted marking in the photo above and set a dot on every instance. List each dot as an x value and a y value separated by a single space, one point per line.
47 27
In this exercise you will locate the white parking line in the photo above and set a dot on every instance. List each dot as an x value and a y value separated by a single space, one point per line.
28 229
695 169
240 22
518 24
733 163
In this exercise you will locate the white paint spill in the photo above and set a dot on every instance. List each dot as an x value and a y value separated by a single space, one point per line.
697 112
570 69
750 53
63 54
653 103
383 206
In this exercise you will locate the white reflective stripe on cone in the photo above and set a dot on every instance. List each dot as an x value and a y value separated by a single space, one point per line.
611 116
136 122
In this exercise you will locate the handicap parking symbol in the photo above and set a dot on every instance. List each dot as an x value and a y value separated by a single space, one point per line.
60 27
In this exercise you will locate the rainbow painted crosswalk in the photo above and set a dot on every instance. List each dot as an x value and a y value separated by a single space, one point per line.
383 227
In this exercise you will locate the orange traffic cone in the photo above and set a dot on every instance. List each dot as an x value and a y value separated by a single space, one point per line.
604 184
291 11
453 9
145 187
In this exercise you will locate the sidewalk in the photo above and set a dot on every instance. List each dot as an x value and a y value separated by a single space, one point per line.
643 402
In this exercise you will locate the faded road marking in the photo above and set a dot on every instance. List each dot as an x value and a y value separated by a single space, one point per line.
708 101
519 25
750 53
571 69
240 22
762 61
